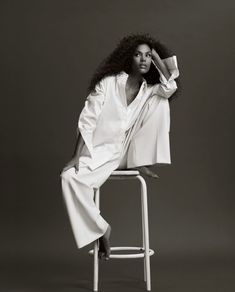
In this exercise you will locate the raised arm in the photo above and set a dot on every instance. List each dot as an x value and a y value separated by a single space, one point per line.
168 71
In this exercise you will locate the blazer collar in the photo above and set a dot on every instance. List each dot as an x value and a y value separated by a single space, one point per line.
122 76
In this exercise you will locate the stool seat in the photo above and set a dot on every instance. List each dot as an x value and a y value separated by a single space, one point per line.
143 251
125 172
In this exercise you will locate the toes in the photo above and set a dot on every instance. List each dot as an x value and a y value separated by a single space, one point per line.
101 254
104 245
104 254
107 256
107 253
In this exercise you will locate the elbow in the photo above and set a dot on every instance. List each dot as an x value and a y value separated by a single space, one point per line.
167 90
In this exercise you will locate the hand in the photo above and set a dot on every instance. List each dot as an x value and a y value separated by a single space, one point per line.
72 163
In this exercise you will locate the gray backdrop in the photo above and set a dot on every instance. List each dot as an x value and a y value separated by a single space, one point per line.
49 51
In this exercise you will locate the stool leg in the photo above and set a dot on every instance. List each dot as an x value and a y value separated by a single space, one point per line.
143 237
144 201
96 245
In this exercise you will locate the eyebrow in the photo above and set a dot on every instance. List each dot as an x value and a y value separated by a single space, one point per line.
141 52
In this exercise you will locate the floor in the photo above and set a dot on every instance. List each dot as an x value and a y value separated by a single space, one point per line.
74 273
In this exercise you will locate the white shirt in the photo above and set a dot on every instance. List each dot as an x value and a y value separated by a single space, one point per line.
106 117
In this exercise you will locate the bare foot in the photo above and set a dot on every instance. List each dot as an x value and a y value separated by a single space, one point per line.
104 244
146 170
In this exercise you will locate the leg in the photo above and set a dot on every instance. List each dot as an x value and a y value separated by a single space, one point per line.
78 193
144 204
86 221
96 247
142 169
149 141
123 162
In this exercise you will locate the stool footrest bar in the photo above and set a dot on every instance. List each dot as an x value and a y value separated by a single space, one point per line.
126 256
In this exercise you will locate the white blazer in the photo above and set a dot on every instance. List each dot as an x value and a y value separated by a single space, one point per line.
105 118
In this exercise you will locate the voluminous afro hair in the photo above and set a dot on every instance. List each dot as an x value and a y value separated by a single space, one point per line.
122 57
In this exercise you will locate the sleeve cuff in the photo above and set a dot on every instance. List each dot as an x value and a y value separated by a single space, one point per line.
172 66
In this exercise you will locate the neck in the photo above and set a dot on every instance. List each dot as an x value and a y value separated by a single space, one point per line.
135 79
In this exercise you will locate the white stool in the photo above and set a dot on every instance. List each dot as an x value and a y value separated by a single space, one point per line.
146 252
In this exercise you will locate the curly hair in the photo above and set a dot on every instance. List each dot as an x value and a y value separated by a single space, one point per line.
122 57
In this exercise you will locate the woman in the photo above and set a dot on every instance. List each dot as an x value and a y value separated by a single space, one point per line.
125 123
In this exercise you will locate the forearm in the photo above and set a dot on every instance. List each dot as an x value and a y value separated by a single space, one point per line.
160 64
78 146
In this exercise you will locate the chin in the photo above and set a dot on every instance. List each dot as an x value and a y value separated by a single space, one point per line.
143 71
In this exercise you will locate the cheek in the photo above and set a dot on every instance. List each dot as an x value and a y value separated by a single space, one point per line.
149 62
135 62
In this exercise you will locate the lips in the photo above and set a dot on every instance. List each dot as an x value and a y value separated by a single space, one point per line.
143 66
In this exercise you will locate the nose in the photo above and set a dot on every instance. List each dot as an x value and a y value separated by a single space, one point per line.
142 58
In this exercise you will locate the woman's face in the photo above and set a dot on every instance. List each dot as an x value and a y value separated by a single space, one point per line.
142 59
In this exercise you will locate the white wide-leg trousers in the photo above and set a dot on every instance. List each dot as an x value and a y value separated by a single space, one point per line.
78 188
78 193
